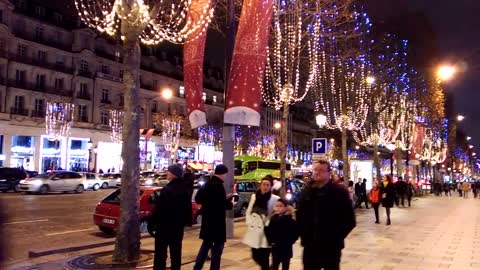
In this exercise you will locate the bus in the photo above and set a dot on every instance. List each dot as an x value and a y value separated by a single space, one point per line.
251 167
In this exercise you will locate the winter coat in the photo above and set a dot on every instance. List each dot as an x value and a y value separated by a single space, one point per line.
282 232
255 235
401 187
358 189
212 197
325 217
388 195
375 195
172 210
410 190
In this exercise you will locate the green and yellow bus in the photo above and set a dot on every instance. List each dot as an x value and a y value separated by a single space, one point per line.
251 167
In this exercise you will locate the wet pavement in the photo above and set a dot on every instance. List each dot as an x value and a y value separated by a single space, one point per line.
435 233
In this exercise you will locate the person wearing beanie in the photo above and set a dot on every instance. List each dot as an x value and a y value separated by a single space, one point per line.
212 198
172 212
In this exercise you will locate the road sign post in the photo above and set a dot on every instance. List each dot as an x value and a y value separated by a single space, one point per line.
319 148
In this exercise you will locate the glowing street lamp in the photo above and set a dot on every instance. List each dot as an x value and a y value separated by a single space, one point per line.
167 93
321 119
460 118
370 80
469 138
277 125
470 146
445 73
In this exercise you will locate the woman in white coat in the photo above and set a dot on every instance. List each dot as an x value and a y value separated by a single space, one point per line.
258 214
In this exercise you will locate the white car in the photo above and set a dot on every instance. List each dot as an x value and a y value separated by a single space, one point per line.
92 181
110 179
56 181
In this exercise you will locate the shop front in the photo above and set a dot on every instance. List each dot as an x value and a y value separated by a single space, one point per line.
78 154
52 154
22 152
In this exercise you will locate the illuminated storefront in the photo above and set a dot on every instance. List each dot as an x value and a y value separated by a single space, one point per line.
22 152
78 154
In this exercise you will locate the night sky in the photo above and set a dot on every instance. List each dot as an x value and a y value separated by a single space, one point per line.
456 35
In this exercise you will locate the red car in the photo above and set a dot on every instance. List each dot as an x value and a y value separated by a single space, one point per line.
107 211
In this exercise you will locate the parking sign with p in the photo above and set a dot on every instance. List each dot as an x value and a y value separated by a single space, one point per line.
319 148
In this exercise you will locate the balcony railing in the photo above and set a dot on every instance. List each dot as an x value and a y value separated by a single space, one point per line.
85 96
38 113
41 40
39 63
85 73
109 77
105 101
39 88
19 111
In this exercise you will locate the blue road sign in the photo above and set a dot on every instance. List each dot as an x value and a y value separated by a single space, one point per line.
319 146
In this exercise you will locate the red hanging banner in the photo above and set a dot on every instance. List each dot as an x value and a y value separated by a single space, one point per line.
244 95
193 52
418 139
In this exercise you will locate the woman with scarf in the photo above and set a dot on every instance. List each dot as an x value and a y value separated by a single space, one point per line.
258 214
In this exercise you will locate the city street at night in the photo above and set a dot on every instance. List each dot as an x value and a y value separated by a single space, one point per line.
436 233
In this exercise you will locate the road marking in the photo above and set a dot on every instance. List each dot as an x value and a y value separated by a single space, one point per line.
65 232
26 221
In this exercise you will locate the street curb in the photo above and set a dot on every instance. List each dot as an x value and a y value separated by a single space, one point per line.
36 254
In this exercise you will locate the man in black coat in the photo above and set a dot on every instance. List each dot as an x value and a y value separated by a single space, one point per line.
364 193
171 213
213 232
401 189
325 217
358 192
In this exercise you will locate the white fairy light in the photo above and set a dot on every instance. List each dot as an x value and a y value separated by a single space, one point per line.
58 119
160 20
116 124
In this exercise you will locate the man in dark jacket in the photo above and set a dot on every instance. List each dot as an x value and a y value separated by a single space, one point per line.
171 213
358 192
325 217
400 189
213 232
364 193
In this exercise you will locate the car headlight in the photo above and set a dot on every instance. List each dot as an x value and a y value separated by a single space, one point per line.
288 196
22 181
201 183
149 182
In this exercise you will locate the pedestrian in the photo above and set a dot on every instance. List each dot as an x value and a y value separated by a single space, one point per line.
465 189
460 188
358 193
446 189
410 191
170 215
100 171
364 193
400 188
282 233
212 197
259 210
474 189
375 199
350 192
388 195
325 217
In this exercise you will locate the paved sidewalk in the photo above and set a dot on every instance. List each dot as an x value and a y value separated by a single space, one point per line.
436 233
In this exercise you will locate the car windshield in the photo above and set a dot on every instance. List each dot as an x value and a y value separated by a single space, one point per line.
116 197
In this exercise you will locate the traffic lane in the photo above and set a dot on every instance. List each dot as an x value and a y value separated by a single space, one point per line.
50 221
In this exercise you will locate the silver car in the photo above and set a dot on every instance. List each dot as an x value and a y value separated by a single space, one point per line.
92 181
56 181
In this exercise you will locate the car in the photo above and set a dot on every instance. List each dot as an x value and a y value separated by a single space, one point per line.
92 181
107 212
294 189
154 179
55 181
11 177
245 188
109 179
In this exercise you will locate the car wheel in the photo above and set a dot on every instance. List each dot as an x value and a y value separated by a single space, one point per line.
96 187
79 189
143 226
198 219
43 190
243 210
106 230
105 185
17 188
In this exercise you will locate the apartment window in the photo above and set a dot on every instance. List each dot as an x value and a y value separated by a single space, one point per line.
59 84
122 100
117 56
82 113
83 66
39 32
22 50
154 107
39 105
204 96
21 4
2 45
121 73
181 91
214 98
105 69
104 118
105 93
1 16
42 56
40 11
40 81
19 102
58 36
20 76
83 90
57 17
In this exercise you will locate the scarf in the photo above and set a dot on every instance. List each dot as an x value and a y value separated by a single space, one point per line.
261 202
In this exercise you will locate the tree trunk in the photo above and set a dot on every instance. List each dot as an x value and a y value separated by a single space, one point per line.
376 159
283 147
398 156
127 244
346 165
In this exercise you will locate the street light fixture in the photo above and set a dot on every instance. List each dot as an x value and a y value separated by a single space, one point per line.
277 125
445 73
469 138
460 118
321 119
470 146
370 80
167 94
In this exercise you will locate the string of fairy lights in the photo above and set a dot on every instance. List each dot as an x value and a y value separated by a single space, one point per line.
161 20
58 119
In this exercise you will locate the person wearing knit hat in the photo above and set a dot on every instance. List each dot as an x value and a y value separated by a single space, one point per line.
212 197
172 212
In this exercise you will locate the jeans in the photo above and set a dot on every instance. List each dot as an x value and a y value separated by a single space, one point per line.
262 257
217 250
173 241
375 208
313 259
279 257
